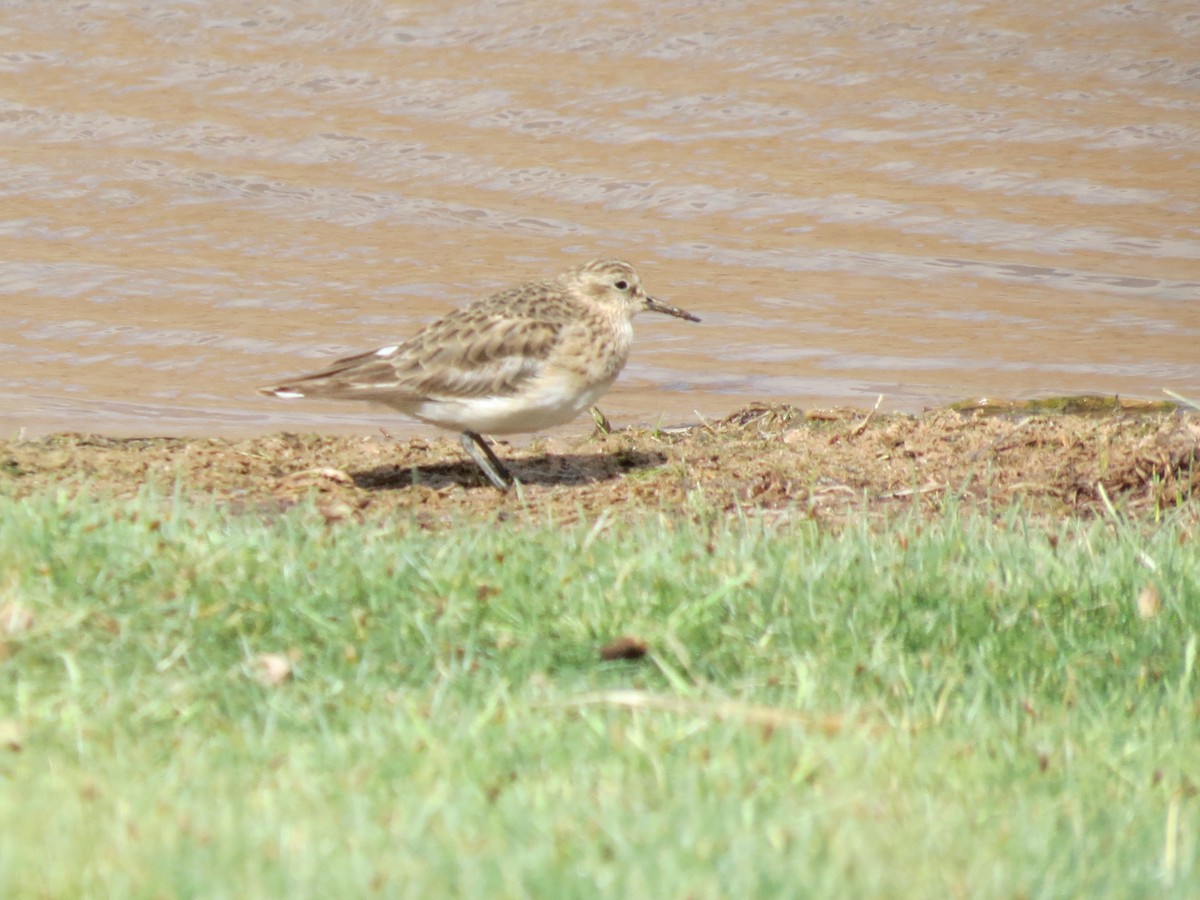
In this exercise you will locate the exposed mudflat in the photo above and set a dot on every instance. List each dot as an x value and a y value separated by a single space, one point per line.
777 460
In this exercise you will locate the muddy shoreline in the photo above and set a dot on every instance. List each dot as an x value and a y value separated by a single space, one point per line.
824 464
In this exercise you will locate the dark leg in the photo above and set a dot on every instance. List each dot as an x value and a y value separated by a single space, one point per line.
487 461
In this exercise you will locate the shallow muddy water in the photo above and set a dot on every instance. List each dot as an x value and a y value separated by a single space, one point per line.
928 201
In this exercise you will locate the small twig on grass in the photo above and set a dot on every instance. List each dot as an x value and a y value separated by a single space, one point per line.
704 422
1194 404
1171 841
862 426
602 523
1108 505
1143 557
259 456
748 713
908 492
327 473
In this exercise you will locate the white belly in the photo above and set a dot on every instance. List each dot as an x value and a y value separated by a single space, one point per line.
543 403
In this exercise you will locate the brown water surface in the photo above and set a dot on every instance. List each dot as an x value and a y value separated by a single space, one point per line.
927 201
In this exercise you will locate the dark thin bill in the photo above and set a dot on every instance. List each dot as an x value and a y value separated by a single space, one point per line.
667 309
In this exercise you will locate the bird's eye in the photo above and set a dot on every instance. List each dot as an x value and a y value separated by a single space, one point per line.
621 284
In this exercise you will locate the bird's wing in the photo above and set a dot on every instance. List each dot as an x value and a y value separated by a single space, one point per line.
486 350
490 356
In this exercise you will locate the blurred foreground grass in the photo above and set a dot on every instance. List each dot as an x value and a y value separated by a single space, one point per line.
196 703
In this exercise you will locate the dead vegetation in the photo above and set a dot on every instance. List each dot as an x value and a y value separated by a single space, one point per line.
828 464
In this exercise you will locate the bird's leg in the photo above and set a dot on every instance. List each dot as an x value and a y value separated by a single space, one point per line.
487 461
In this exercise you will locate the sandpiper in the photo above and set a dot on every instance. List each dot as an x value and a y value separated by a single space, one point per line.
527 358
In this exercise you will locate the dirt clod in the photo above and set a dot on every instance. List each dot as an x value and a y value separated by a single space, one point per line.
625 647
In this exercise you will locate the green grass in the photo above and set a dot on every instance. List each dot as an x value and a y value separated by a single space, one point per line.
952 708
